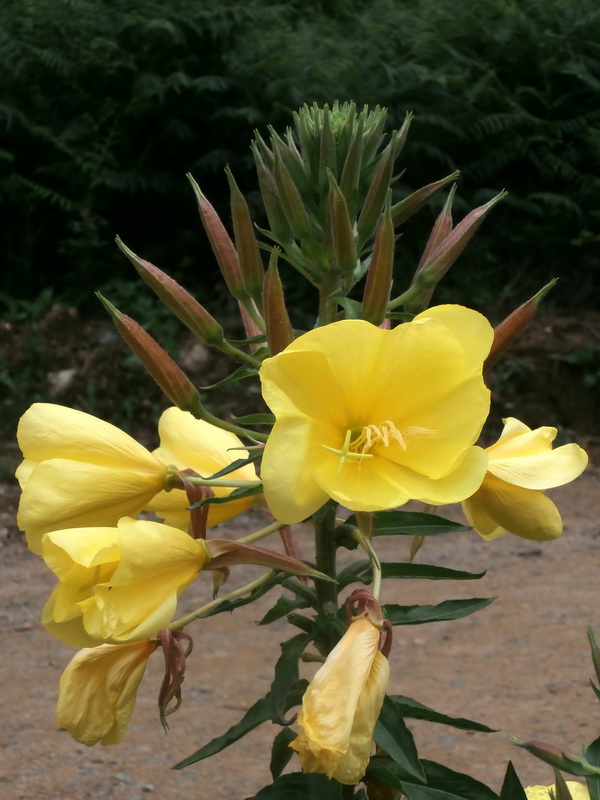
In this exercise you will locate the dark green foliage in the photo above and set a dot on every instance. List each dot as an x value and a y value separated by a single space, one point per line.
105 105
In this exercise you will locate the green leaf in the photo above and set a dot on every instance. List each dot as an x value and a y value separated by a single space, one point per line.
281 752
299 786
361 572
442 783
412 709
230 605
446 610
512 788
286 676
352 308
592 754
283 607
253 455
411 523
394 737
237 375
255 419
237 494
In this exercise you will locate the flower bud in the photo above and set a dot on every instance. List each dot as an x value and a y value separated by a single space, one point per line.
342 235
379 276
410 205
279 328
556 757
182 304
251 263
171 378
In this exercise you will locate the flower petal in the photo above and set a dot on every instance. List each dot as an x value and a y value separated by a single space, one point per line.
542 470
470 327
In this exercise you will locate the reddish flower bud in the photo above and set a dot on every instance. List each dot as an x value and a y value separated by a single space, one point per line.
279 328
379 276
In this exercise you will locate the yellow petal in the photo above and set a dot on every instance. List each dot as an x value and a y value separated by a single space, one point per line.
543 470
470 327
578 791
524 512
98 691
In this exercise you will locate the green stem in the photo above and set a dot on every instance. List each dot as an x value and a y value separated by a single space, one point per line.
239 355
206 609
201 413
226 483
324 522
374 559
253 537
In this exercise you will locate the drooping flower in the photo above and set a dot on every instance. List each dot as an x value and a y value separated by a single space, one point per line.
78 471
98 691
522 465
373 417
118 584
187 442
578 791
342 704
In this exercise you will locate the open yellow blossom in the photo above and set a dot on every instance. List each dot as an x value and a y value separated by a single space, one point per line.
342 704
117 584
187 442
578 791
522 465
373 417
78 471
98 691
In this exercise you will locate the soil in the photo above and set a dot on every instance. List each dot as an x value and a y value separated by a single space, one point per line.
521 665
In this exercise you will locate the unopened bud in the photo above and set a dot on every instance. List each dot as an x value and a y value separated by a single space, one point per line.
221 244
511 328
186 308
251 263
171 379
342 235
376 196
410 205
558 758
379 276
291 201
279 328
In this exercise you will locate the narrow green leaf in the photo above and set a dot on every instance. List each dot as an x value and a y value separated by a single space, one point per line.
283 607
362 572
281 752
255 419
512 788
411 523
394 737
237 375
592 754
286 676
412 709
237 494
446 610
230 605
253 455
442 783
299 786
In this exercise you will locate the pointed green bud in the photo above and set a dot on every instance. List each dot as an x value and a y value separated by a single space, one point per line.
442 228
512 327
221 244
342 236
375 200
279 328
290 200
171 379
556 757
277 220
379 277
251 264
410 205
182 304
327 154
350 179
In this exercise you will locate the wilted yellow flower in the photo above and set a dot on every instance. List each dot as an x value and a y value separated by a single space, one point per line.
98 691
373 417
187 442
342 704
522 465
578 791
79 471
117 584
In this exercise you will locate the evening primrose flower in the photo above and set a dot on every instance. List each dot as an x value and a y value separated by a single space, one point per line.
578 791
373 417
78 471
342 704
118 584
98 691
522 465
187 442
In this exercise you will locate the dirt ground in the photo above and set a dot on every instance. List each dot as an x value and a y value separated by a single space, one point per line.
521 665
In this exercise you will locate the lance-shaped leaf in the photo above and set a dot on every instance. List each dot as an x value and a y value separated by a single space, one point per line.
411 523
441 783
410 205
392 735
300 786
512 788
511 328
245 240
281 752
221 244
225 553
361 571
237 375
185 307
412 709
171 378
442 612
283 607
342 236
279 328
379 277
442 258
286 676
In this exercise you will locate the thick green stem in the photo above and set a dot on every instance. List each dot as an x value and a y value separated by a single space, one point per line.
324 522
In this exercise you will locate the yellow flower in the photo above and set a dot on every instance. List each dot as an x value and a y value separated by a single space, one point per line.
98 691
187 442
342 704
117 584
79 471
522 465
373 417
578 791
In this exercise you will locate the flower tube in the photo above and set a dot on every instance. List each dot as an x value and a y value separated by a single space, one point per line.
373 417
522 465
342 704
